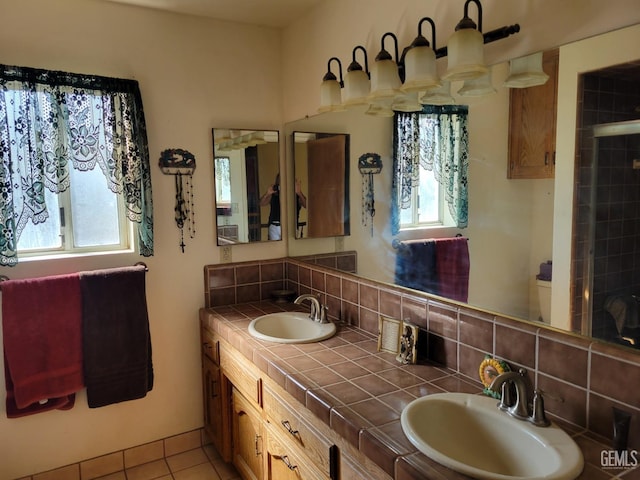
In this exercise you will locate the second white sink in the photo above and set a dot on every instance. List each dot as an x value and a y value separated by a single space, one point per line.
469 434
290 327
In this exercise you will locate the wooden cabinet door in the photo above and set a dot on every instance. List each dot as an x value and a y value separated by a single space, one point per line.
212 390
532 125
247 438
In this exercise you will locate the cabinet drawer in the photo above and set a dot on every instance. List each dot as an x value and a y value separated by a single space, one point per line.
293 427
284 461
243 374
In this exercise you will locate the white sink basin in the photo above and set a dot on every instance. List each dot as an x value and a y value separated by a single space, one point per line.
290 327
469 434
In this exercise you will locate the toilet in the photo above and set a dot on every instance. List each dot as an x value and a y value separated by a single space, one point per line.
544 298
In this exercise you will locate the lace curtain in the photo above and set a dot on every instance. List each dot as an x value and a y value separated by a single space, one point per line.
435 139
52 121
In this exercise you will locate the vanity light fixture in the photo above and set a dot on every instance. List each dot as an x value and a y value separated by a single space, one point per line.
526 72
438 96
357 85
331 90
465 48
420 62
396 85
478 87
385 76
380 108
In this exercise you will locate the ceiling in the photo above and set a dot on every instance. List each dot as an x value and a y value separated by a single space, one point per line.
270 13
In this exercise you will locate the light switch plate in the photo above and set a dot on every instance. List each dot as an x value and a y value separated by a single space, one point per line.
225 257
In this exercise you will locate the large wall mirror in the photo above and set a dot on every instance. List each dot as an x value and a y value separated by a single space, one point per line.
515 225
321 185
247 185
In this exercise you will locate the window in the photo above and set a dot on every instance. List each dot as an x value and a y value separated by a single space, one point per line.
222 169
425 208
74 164
430 168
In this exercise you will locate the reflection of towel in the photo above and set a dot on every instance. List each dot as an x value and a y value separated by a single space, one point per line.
41 320
416 266
624 310
117 344
452 266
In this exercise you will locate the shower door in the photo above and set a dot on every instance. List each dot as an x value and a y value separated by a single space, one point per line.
612 247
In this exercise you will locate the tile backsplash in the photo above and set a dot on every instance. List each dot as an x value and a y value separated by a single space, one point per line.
582 379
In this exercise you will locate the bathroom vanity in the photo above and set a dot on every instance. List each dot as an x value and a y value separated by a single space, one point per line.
320 411
257 415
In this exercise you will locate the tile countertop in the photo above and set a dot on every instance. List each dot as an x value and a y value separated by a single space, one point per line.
358 391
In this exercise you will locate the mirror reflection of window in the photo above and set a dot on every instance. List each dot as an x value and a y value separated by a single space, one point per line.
223 185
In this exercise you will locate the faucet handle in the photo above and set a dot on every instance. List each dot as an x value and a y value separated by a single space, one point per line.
538 417
506 396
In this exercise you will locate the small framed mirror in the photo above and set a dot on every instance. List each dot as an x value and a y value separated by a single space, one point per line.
247 185
321 168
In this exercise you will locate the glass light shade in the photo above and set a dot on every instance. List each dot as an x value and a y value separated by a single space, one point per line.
438 96
420 70
356 88
385 80
465 52
330 96
477 87
406 102
526 72
380 108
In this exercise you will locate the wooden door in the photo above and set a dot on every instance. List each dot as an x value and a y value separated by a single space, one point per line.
326 160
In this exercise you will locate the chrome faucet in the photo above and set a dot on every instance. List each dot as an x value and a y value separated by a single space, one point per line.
520 408
318 311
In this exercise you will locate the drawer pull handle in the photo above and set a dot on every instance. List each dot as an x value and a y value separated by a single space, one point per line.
287 425
286 461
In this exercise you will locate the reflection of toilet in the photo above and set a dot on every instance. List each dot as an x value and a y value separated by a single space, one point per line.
544 298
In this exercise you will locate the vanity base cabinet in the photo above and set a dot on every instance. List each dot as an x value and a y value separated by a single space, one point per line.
247 438
265 432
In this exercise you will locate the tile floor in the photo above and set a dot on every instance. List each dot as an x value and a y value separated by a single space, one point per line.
142 463
202 463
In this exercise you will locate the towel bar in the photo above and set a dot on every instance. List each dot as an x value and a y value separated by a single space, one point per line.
4 278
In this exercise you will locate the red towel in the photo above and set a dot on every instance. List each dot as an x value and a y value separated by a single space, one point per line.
452 264
42 332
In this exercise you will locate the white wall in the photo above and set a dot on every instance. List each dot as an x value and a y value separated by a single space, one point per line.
182 64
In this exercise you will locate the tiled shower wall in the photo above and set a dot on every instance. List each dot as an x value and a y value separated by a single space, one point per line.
582 379
603 99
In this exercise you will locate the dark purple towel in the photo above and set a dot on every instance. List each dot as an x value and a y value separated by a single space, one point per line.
116 338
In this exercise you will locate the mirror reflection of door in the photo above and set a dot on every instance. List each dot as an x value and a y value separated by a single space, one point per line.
325 207
245 168
322 172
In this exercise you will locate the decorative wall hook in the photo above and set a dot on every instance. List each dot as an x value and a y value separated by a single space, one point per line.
181 164
369 164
